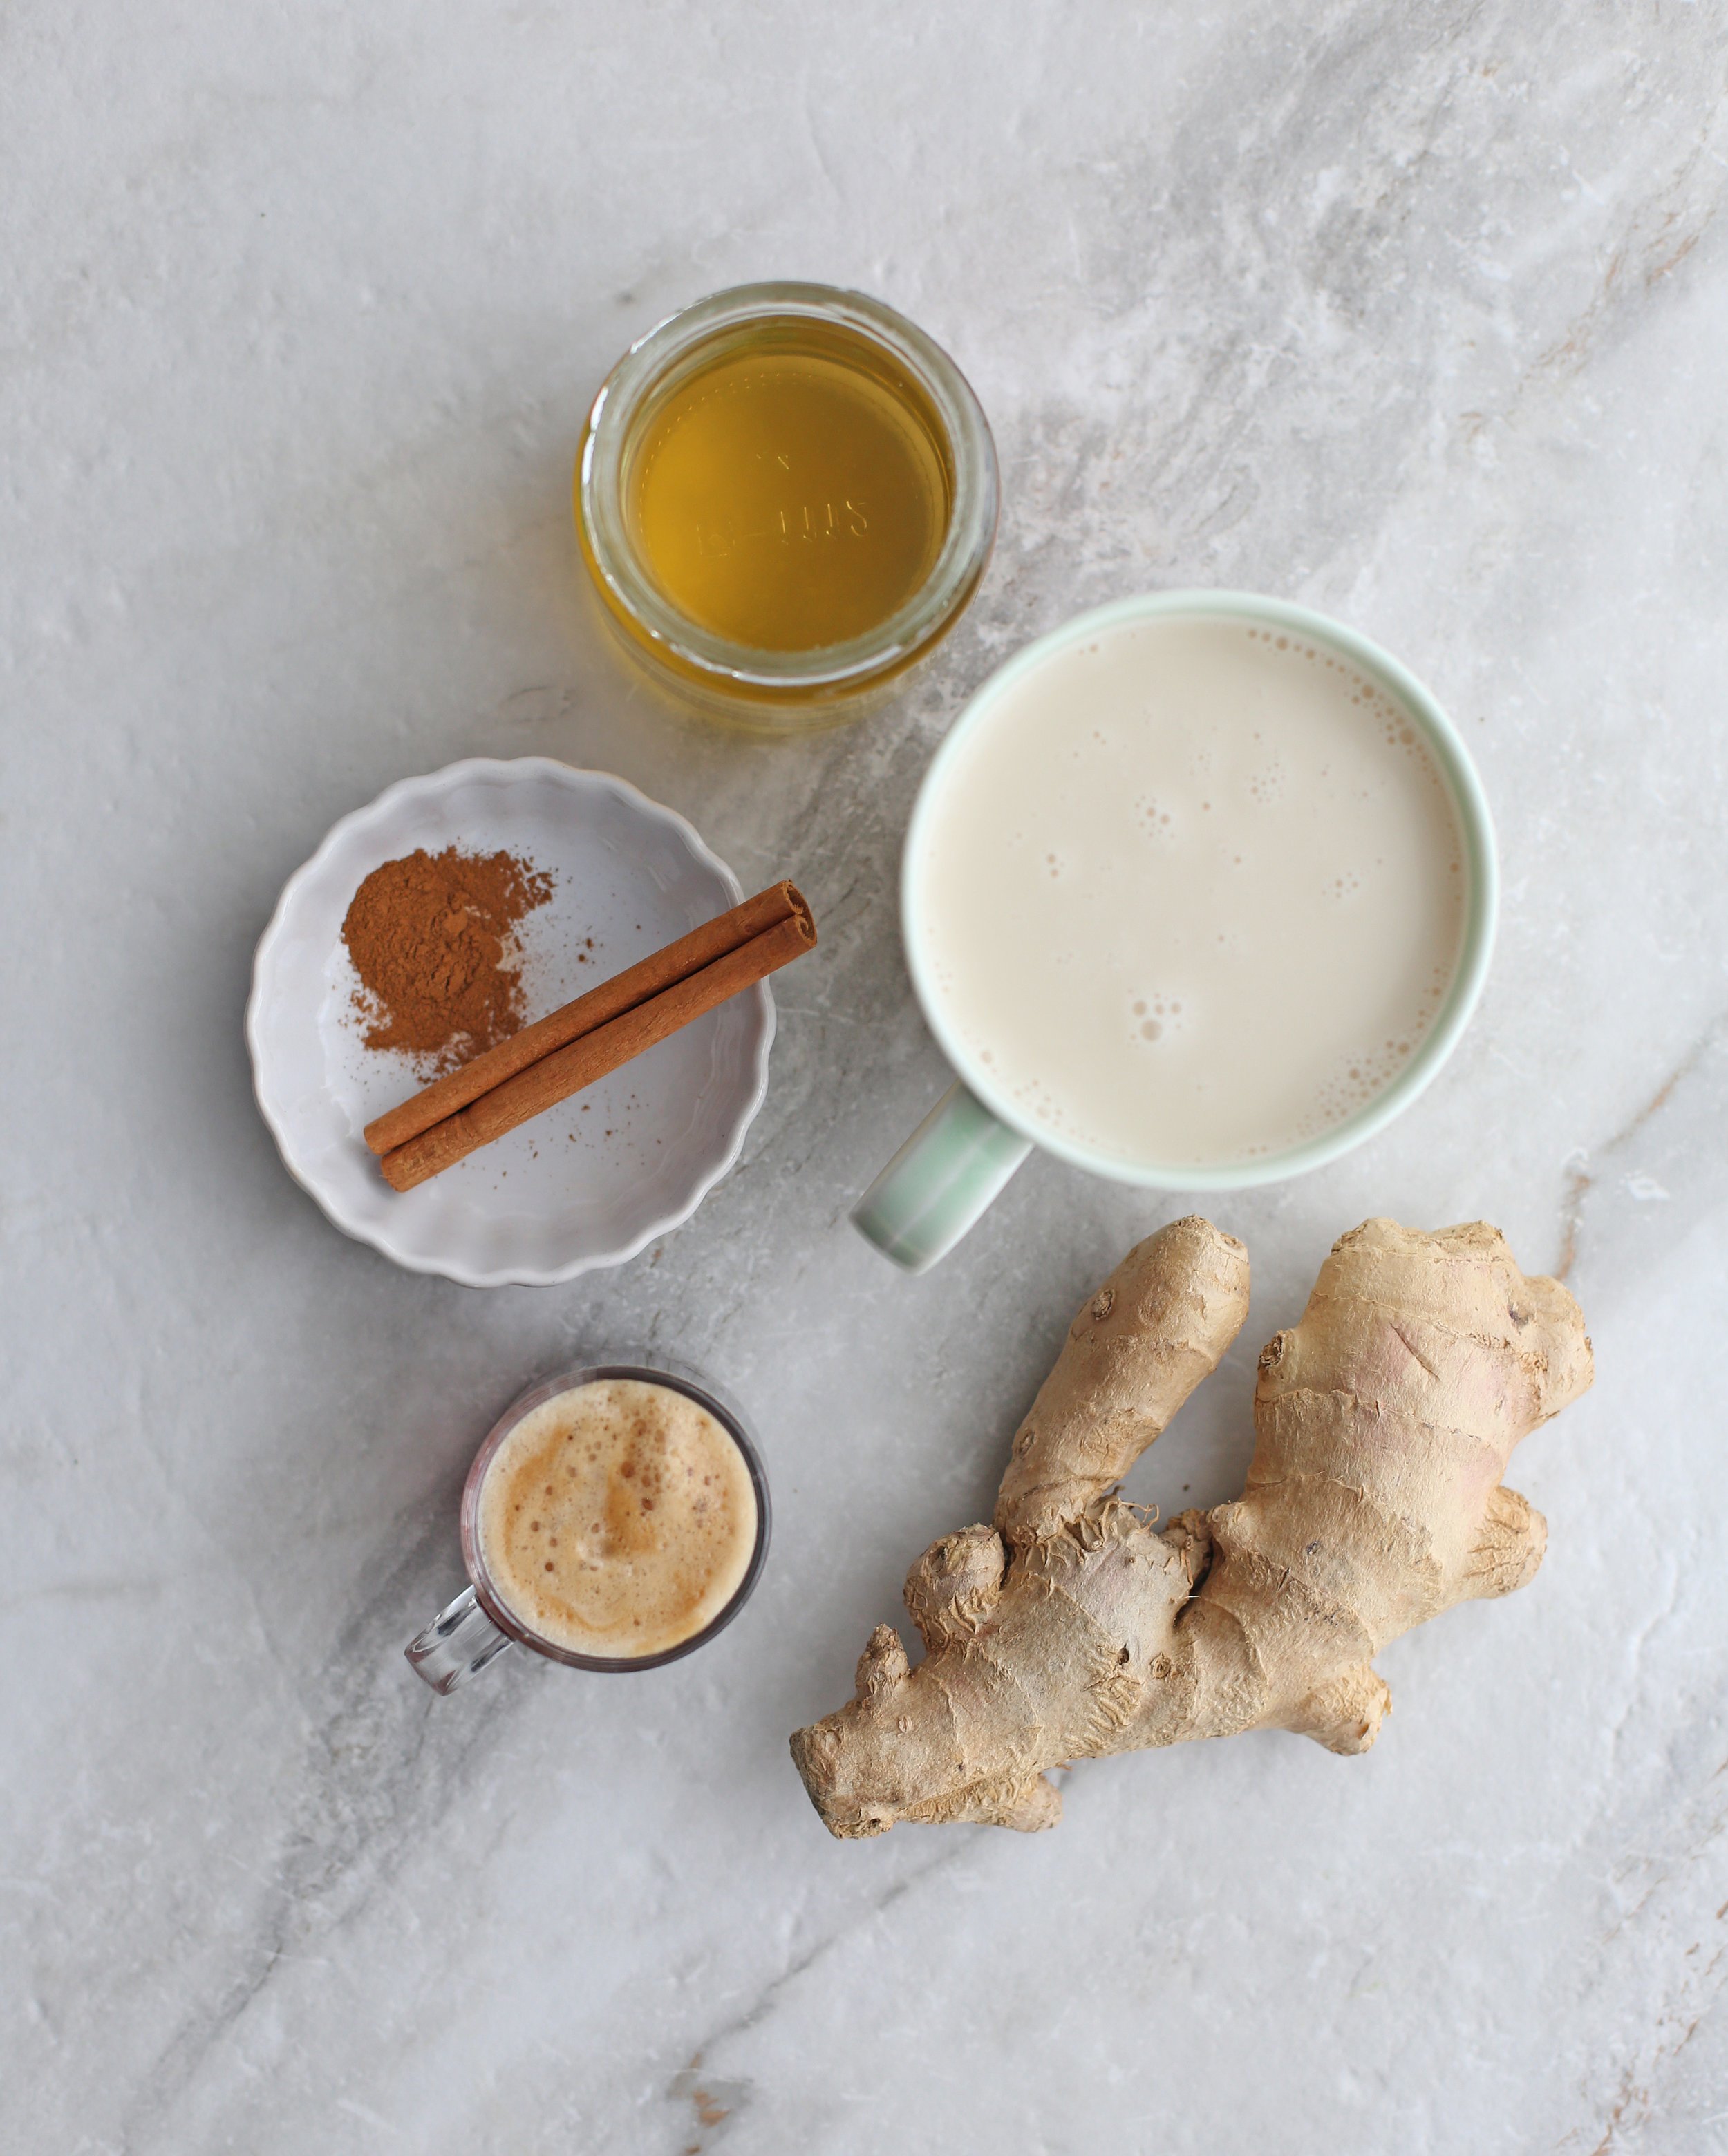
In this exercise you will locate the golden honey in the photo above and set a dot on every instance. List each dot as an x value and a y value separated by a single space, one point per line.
789 489
785 494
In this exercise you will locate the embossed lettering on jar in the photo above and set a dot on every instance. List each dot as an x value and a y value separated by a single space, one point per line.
791 496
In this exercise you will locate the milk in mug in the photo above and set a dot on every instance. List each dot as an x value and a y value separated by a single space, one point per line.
1193 895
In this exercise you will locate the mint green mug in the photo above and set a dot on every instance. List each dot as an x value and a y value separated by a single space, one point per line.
964 1151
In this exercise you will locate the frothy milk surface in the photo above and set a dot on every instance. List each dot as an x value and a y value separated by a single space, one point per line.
1193 892
617 1519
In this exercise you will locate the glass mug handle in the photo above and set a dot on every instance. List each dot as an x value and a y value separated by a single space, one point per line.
941 1181
457 1644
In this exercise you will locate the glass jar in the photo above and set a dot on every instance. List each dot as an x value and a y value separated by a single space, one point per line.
742 338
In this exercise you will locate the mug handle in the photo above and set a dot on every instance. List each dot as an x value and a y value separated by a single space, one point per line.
940 1182
458 1643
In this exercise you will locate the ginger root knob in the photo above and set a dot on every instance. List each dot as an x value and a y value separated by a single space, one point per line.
1073 1628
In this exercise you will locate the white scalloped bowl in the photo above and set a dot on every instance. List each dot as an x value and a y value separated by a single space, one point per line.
590 1182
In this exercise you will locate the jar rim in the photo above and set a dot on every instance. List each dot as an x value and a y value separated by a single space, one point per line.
826 668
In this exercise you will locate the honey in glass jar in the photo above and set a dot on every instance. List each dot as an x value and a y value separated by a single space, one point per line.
786 495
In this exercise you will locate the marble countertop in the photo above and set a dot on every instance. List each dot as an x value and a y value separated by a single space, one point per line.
1416 315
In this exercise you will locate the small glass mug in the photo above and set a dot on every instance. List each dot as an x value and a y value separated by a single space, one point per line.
477 1628
779 691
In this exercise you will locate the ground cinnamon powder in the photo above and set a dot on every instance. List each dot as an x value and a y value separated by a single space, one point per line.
431 937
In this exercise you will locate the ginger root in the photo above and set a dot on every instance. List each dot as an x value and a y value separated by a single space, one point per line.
1072 1629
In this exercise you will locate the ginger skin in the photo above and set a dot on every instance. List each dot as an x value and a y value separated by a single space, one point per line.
1071 1629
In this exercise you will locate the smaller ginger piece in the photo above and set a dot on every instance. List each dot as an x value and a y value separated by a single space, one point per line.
1070 1628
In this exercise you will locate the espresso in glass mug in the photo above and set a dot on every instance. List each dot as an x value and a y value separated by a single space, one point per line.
615 1518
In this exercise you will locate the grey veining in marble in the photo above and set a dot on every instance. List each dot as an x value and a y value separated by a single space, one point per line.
1416 313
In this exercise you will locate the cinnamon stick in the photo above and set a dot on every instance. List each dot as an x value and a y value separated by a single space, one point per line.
566 1070
636 984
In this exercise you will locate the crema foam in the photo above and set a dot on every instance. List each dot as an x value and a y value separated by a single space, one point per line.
618 1519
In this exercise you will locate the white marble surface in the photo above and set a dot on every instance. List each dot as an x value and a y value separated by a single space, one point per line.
1416 313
